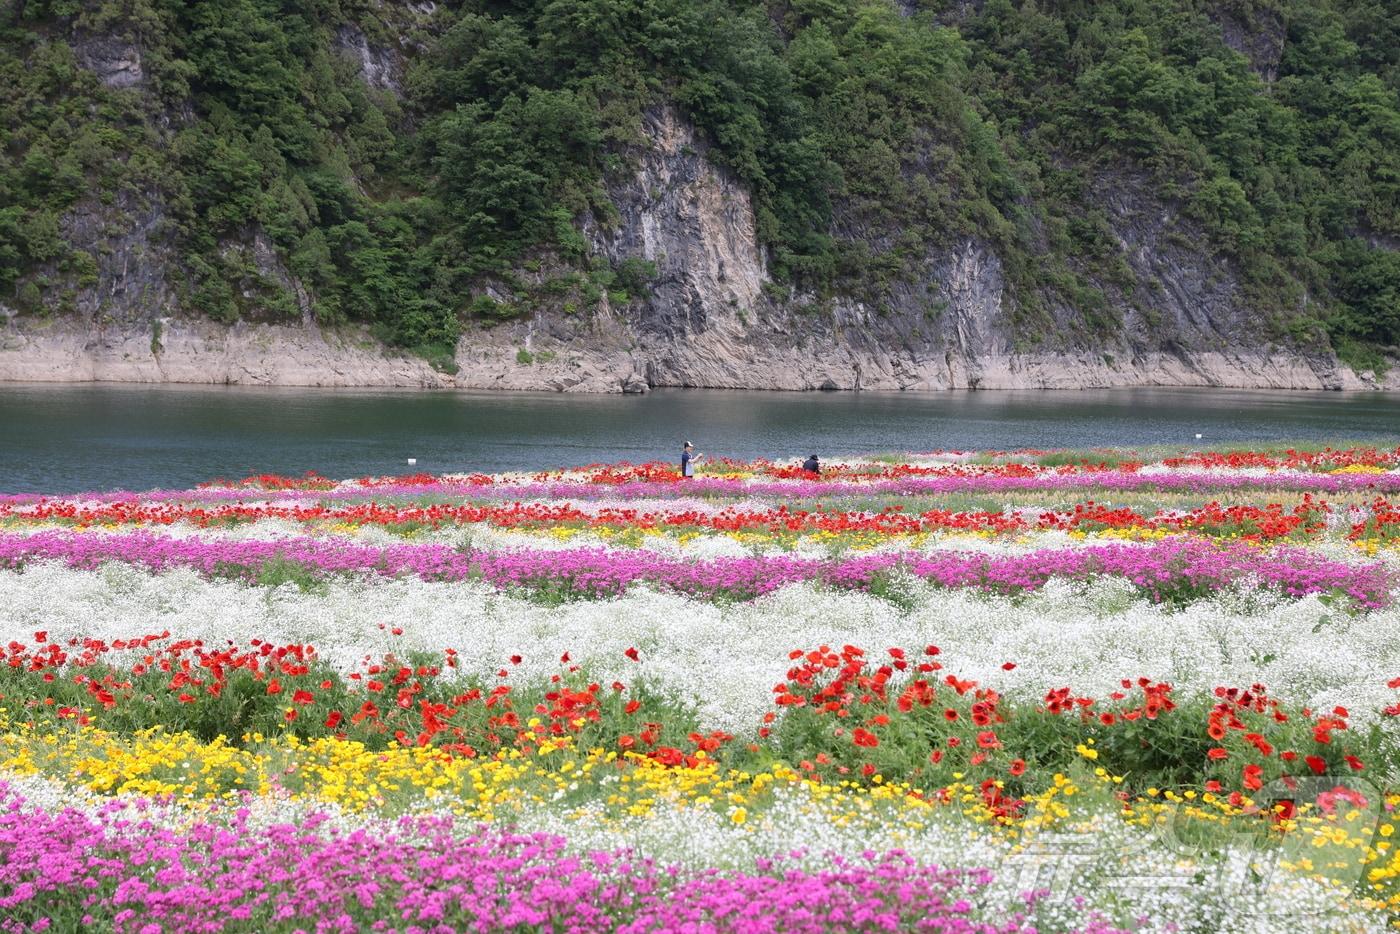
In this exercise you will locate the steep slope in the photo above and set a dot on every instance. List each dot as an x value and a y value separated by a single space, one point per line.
604 195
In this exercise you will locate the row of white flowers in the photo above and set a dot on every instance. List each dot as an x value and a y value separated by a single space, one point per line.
726 659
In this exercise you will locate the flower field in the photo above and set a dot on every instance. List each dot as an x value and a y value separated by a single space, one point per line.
994 692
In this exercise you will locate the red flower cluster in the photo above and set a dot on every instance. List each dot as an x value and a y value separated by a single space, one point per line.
864 716
230 690
1256 523
311 480
1326 459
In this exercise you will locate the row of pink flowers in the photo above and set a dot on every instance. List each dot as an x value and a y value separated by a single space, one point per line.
118 869
1176 569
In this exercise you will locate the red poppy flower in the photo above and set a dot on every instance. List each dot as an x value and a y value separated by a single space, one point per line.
863 737
1251 778
1217 753
1018 767
988 740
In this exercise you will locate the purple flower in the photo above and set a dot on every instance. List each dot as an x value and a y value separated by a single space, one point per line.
1174 569
426 874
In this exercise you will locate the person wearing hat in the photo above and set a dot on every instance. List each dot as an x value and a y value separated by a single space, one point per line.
688 460
811 465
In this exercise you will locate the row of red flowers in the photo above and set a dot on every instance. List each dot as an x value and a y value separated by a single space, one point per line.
1005 463
1264 523
838 714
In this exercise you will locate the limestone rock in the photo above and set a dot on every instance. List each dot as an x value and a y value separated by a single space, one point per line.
381 68
116 62
1258 35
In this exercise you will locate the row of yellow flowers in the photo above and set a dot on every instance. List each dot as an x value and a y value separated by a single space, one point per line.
352 777
1353 841
760 539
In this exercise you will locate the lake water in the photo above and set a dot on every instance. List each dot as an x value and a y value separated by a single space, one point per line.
68 438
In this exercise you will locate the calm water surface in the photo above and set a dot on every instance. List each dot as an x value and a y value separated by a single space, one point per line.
101 436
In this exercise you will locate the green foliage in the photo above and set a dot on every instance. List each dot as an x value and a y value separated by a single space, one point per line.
633 275
1283 177
487 308
1367 282
868 139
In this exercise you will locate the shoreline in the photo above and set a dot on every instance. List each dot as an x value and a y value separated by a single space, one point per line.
1388 389
519 358
471 389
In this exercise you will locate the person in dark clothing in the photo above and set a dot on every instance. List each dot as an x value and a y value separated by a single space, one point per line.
811 465
688 460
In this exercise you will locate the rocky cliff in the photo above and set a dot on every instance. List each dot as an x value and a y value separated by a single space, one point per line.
710 314
712 317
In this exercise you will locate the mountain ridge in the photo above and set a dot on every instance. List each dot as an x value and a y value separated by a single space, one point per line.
420 208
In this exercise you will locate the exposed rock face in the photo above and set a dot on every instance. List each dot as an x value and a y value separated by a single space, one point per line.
379 67
116 62
1259 37
695 223
134 265
181 351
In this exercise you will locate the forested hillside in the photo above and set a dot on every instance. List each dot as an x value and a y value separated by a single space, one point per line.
432 169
